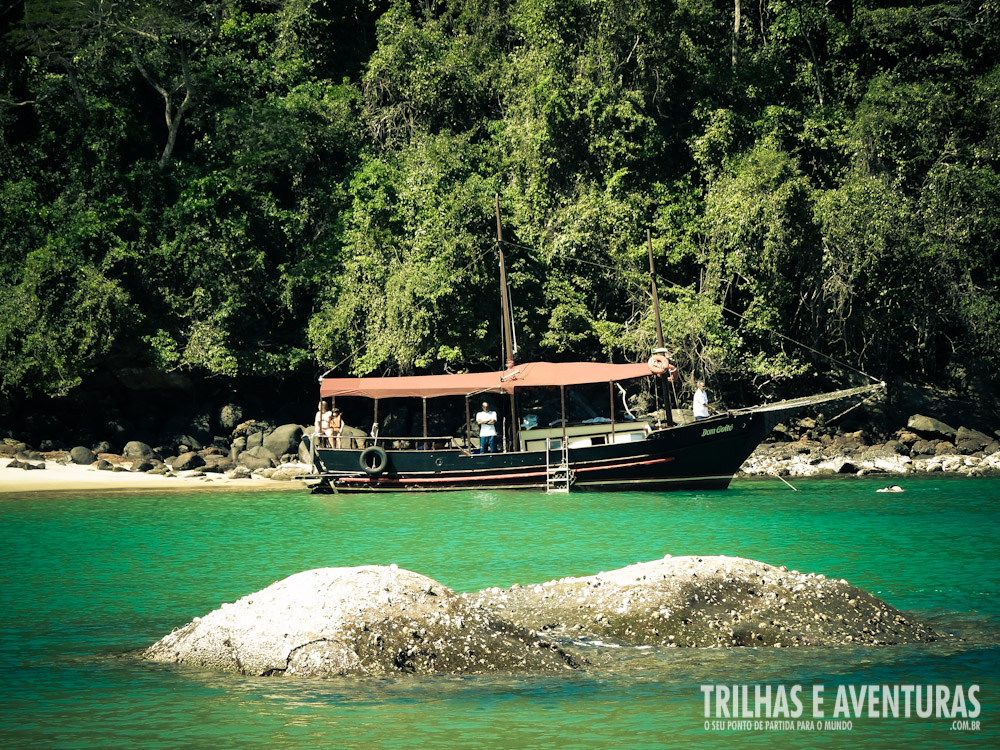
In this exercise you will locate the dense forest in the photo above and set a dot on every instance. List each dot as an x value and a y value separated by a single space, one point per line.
274 188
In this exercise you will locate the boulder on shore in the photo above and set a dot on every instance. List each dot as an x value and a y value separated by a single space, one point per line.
17 463
257 458
217 464
186 443
707 602
229 416
923 447
970 441
9 449
930 427
186 461
365 620
82 456
283 439
137 450
303 450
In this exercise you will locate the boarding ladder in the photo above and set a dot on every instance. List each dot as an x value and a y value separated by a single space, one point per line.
558 476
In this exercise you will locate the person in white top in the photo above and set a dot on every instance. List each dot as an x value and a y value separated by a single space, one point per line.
322 422
700 402
487 420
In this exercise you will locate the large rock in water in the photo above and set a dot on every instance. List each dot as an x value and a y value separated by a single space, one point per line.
366 620
706 601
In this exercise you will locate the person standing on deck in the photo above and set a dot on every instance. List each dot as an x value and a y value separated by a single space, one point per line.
487 420
322 422
336 427
700 405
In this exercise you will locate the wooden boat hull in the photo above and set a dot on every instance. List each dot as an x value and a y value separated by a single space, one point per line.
700 455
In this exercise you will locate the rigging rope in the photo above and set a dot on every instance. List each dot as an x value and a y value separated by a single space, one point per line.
676 285
819 398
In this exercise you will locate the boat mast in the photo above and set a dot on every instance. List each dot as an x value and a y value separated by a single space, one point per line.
656 297
660 347
508 338
508 346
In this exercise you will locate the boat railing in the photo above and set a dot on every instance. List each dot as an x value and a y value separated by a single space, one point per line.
576 435
390 442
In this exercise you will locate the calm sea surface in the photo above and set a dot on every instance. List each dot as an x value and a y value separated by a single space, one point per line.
86 580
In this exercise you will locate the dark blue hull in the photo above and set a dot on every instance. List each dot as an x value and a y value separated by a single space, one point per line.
701 455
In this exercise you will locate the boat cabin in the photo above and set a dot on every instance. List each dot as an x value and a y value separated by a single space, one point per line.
538 404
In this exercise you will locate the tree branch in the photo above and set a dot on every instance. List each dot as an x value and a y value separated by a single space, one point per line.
171 115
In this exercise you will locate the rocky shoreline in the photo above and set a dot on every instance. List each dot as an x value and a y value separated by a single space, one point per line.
256 450
803 448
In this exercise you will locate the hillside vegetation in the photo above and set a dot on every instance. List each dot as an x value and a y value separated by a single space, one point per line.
273 188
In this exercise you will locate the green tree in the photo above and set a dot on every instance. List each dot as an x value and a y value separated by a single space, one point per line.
761 249
59 310
418 287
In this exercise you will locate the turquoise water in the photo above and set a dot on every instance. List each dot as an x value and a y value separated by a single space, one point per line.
85 581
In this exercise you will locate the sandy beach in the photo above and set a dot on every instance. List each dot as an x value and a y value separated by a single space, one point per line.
65 478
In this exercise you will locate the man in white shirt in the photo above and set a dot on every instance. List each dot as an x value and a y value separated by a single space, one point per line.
487 421
700 402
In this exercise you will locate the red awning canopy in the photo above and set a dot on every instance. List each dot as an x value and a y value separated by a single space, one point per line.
528 375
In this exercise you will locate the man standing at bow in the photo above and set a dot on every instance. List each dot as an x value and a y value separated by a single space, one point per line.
700 402
487 420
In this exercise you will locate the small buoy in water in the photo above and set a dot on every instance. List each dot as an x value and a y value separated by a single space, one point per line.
891 488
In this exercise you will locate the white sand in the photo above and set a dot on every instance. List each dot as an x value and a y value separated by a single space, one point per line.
56 477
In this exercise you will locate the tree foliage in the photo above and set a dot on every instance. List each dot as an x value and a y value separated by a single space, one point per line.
271 186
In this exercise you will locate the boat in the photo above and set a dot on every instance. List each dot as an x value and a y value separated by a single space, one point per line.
601 453
551 437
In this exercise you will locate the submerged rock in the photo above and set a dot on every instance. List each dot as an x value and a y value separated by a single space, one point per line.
707 601
365 620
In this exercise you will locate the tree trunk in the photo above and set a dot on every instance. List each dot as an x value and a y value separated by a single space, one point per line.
736 29
171 114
